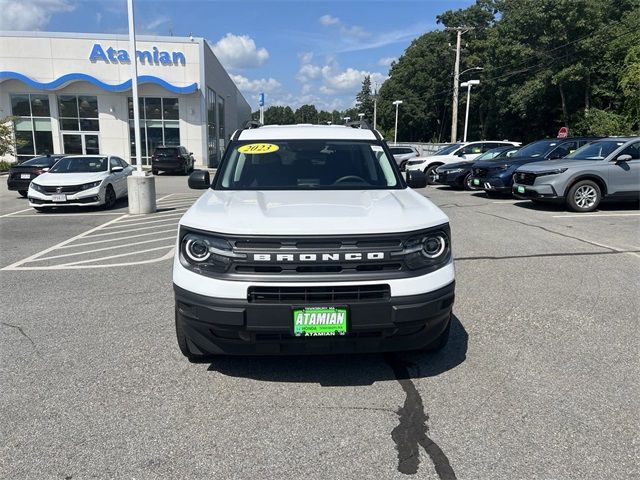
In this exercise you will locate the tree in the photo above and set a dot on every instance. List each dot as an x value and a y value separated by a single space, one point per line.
306 114
7 145
288 117
364 99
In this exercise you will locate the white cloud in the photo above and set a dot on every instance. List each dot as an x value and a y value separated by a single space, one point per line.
267 85
349 79
387 61
327 20
152 25
308 72
355 31
239 51
31 15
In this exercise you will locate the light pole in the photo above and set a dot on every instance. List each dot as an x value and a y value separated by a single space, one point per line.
466 117
361 115
375 105
141 188
395 135
346 120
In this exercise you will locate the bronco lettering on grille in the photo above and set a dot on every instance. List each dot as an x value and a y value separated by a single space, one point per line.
317 257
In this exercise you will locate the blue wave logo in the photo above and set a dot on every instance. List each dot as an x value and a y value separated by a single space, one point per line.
82 77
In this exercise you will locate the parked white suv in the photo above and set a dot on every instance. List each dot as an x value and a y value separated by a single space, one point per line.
453 153
308 240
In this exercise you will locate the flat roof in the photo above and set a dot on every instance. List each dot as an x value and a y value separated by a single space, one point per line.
103 36
306 131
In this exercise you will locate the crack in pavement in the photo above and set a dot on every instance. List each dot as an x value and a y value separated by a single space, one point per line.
548 230
19 328
412 430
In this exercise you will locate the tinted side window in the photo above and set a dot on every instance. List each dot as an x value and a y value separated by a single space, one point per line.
563 150
491 145
114 162
633 150
474 148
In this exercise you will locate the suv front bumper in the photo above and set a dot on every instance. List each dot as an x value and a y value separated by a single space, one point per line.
239 327
542 192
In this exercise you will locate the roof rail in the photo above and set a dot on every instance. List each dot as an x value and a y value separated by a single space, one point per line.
249 125
364 124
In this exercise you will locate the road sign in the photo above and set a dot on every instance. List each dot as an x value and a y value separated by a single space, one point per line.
261 99
563 132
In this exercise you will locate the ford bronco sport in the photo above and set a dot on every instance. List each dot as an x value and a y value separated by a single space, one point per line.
309 240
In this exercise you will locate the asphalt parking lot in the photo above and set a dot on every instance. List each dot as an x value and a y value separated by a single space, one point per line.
539 380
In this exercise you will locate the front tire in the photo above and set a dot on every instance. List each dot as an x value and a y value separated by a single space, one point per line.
466 183
182 342
23 193
155 171
430 173
440 342
109 198
584 196
42 209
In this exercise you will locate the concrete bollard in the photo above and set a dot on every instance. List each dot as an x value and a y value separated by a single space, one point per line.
142 193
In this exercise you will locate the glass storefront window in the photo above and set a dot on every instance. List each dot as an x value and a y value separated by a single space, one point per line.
221 133
32 125
158 125
88 107
68 106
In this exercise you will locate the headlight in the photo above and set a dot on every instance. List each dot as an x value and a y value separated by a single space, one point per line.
205 253
36 187
430 250
88 186
557 171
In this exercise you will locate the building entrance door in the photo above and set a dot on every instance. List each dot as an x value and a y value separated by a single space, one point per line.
81 143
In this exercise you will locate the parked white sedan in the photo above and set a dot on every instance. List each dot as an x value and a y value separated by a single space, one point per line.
81 180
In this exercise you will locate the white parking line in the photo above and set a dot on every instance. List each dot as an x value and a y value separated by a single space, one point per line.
591 215
40 259
166 256
14 266
15 213
161 220
117 256
125 231
160 215
118 238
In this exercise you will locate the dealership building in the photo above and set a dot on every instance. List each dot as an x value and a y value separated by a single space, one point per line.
71 93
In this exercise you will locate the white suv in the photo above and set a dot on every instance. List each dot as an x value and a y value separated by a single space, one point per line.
308 240
453 153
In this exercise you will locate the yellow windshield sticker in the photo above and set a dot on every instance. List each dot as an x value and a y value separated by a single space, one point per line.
258 148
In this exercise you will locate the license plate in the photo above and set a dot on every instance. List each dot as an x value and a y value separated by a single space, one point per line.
520 189
319 321
25 176
59 197
476 181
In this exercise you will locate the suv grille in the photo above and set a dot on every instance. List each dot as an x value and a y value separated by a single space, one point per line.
318 294
525 178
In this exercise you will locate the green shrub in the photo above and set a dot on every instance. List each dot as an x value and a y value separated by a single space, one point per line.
5 166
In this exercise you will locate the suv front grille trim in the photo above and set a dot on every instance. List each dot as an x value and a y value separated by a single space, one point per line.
525 178
307 295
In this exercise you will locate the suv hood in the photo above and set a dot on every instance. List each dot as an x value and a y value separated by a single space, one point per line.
553 164
335 212
61 179
451 166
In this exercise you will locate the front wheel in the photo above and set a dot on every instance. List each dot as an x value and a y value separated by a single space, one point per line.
440 342
42 209
109 197
467 182
23 193
155 171
584 196
182 342
430 173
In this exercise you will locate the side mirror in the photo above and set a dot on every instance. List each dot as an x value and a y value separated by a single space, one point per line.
623 158
116 169
199 180
416 179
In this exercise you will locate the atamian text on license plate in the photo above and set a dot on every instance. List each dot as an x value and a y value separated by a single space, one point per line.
319 321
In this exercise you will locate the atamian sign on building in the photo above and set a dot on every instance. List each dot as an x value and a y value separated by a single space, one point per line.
71 93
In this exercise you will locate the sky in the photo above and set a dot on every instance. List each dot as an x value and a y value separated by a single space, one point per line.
297 52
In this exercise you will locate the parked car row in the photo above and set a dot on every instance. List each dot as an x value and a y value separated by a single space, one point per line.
50 181
579 172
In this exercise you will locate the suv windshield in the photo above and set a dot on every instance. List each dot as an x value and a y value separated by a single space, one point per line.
80 165
537 149
449 149
307 164
595 151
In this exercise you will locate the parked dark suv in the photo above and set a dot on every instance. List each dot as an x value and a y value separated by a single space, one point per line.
21 174
497 177
172 159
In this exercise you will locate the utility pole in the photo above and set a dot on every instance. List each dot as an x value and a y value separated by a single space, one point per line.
375 105
397 103
456 74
